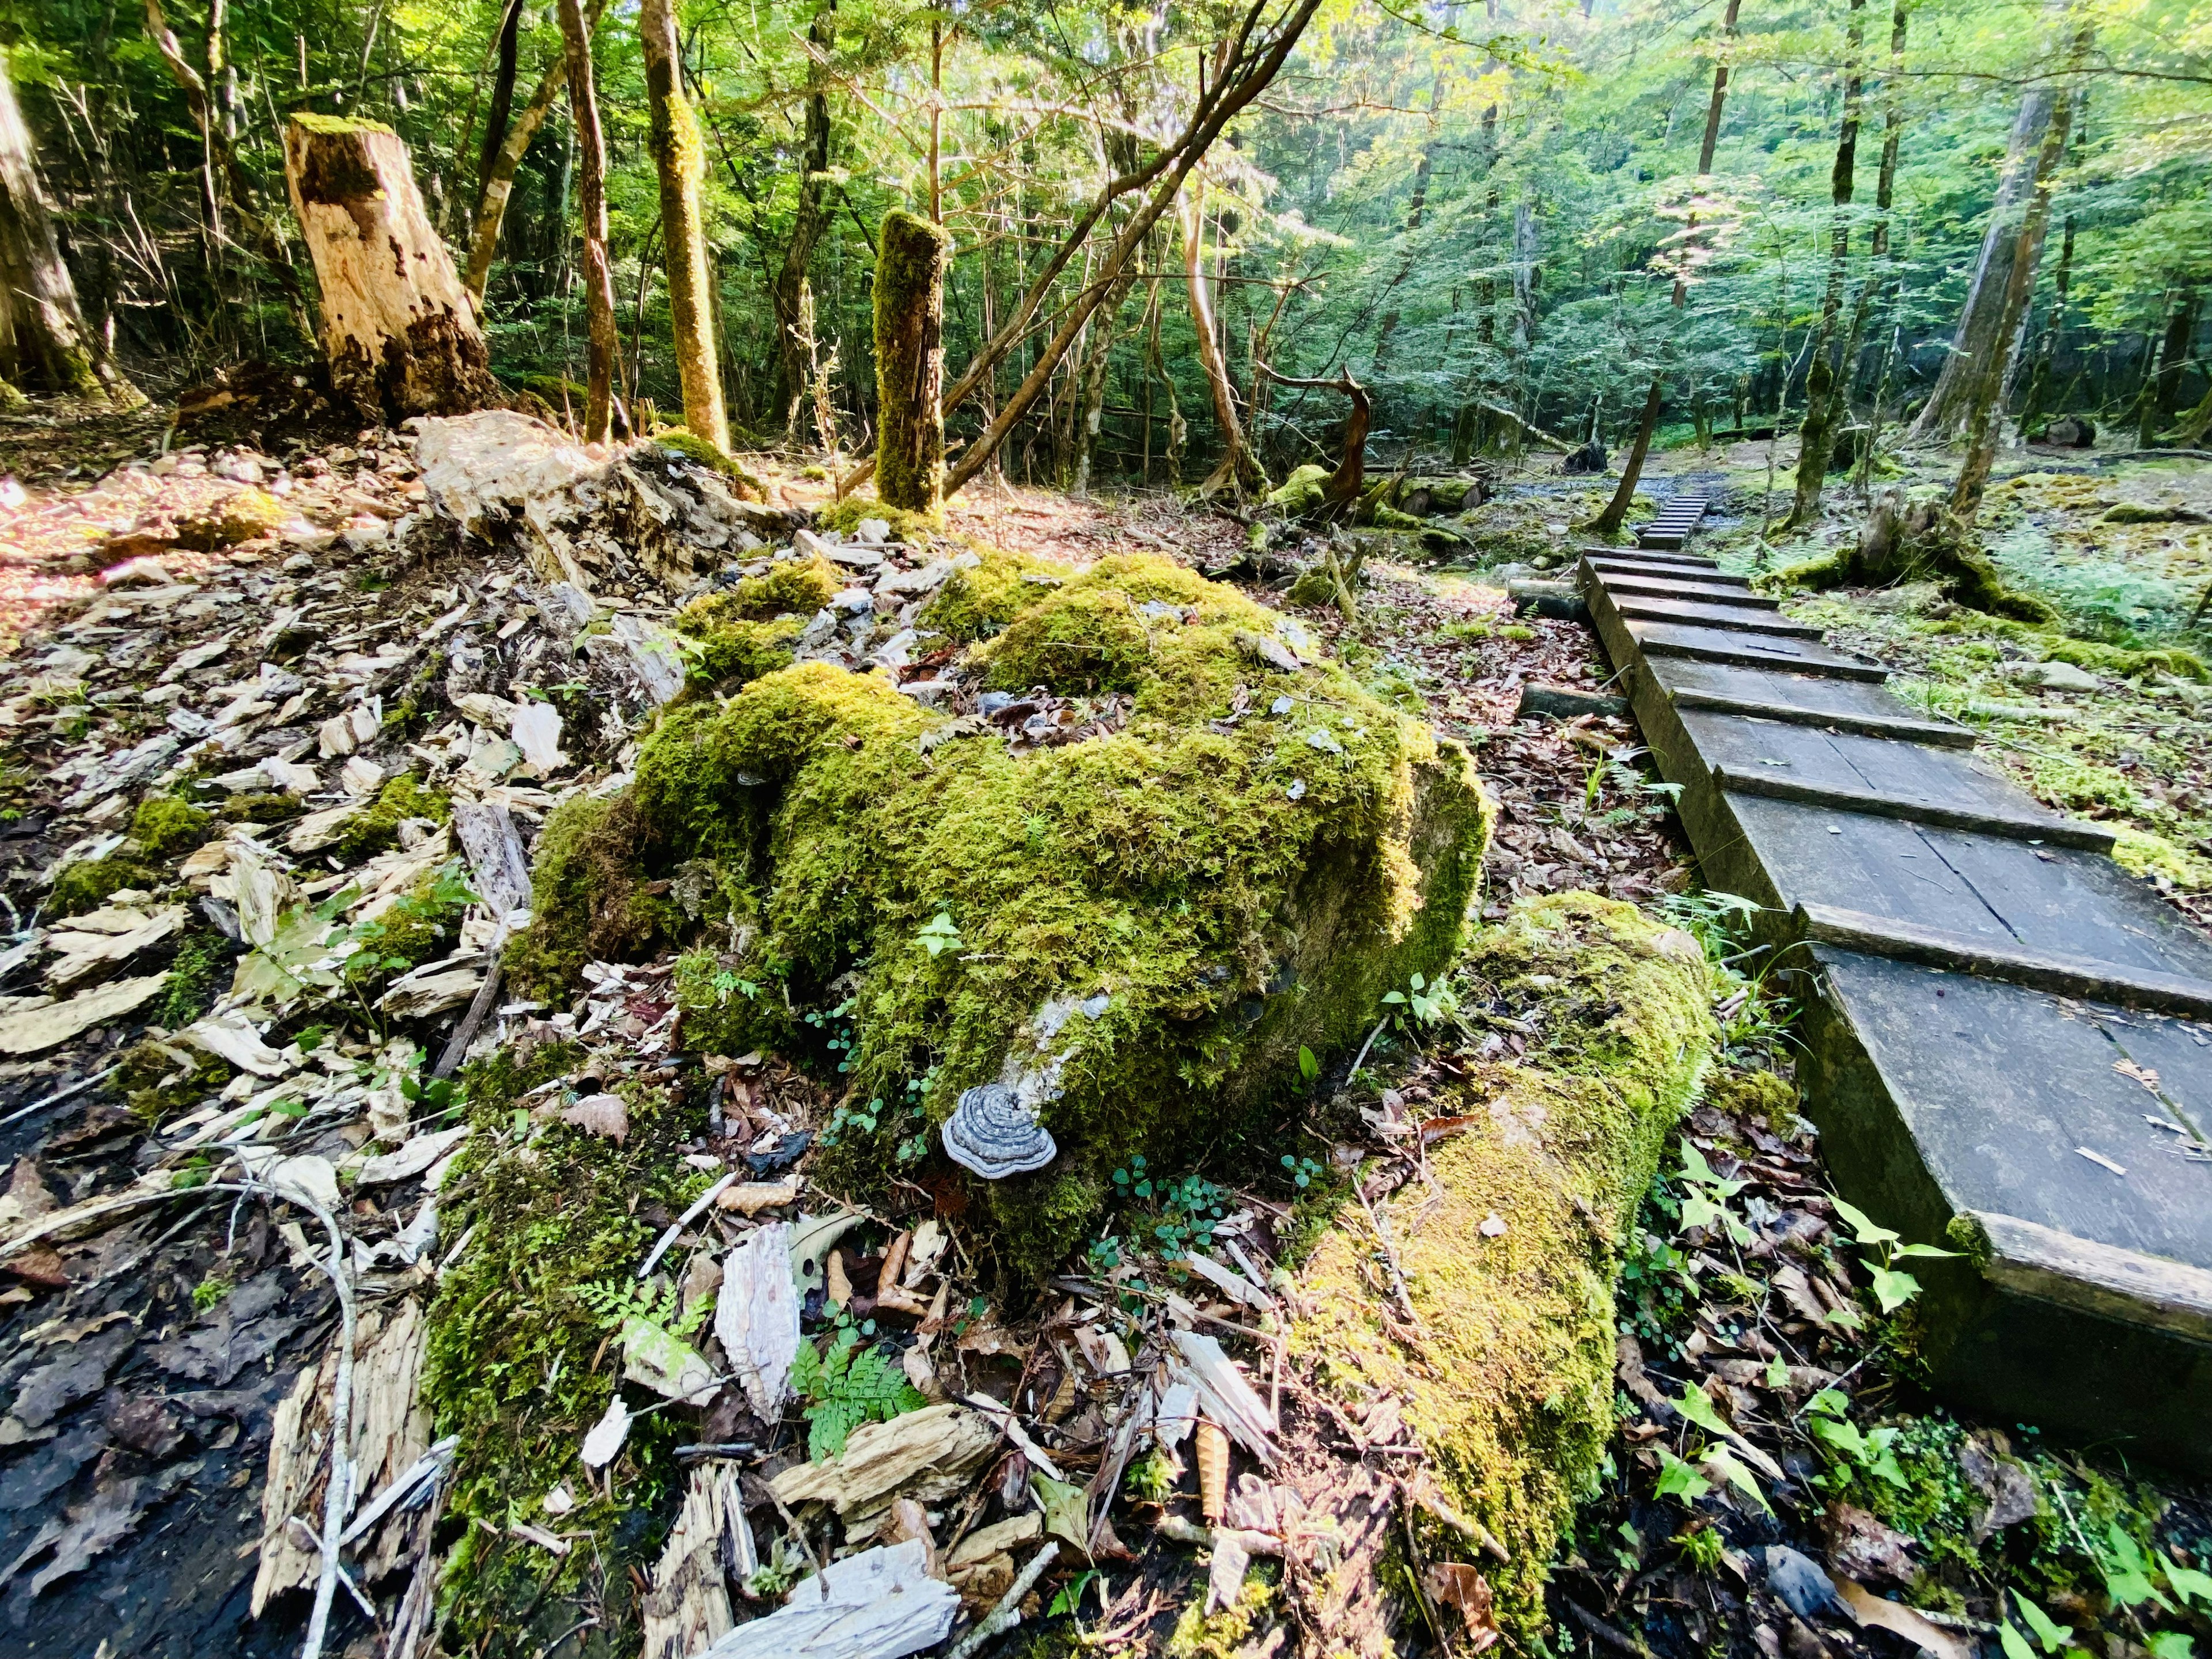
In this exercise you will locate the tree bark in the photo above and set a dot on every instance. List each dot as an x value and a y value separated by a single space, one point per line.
1345 484
499 178
1974 342
910 363
2162 390
1608 523
592 204
809 218
2062 282
1092 402
1827 382
398 331
1985 414
1236 471
681 166
502 97
43 336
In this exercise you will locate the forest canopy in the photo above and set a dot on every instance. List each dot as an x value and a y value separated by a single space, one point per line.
1480 213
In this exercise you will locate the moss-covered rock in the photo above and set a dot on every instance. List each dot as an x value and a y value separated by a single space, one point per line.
982 596
845 517
1301 493
693 448
589 897
752 629
378 829
165 823
1146 925
1510 1383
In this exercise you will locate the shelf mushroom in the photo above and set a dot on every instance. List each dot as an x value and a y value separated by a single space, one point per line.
991 1132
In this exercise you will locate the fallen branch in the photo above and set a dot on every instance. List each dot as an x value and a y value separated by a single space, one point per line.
1343 483
1007 1613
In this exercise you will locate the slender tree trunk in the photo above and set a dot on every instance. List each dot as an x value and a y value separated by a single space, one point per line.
910 363
1944 412
2062 282
499 178
681 166
1827 385
2162 390
42 329
1416 204
1985 414
1607 523
502 97
592 203
1092 401
810 217
1236 471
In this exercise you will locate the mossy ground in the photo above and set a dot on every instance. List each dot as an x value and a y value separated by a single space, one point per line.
845 516
88 885
377 830
1509 1379
752 627
1234 885
518 1365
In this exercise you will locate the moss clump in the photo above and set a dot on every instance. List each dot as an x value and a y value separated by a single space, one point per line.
845 517
1301 493
160 1080
1199 1634
245 517
978 601
164 823
693 448
1177 907
378 829
516 1360
87 886
198 973
2142 853
753 628
262 806
1084 640
586 897
2119 661
1511 1388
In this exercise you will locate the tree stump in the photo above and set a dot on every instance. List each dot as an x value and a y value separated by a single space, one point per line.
910 363
398 328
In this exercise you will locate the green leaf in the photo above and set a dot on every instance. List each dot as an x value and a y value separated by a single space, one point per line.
2171 1645
2125 1574
1921 1249
1066 1510
1698 1407
2016 1644
1861 1225
1842 1434
1309 1067
1069 1598
1721 1461
1679 1478
1892 1289
2048 1631
2190 1585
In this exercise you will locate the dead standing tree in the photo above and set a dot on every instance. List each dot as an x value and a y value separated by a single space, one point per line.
910 363
398 331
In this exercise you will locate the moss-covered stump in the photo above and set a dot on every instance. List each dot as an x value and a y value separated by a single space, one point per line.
910 363
1139 930
1509 1378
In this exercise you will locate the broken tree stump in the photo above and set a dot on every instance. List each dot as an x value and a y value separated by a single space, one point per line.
910 363
399 332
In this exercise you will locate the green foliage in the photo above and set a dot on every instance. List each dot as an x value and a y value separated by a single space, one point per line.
411 930
845 1386
165 823
89 884
198 974
377 829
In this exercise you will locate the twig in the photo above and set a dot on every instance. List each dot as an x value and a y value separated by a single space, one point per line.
1007 1613
1389 1256
338 1497
675 1228
58 1097
466 1032
1358 1059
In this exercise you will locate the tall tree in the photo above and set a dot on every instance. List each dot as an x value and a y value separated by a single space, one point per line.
502 112
1236 471
1950 399
1816 437
1608 522
498 185
810 215
681 166
2062 283
43 336
592 204
2161 388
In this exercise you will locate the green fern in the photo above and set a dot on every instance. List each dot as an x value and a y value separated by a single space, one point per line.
846 1389
614 1303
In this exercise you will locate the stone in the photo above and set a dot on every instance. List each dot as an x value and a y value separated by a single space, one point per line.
2056 676
990 1132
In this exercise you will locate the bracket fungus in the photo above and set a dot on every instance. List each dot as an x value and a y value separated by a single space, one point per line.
993 1134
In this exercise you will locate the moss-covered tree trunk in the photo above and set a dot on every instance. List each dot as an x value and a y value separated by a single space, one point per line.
399 330
592 207
681 166
43 336
498 182
910 363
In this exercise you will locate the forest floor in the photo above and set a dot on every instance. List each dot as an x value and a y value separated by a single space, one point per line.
154 1356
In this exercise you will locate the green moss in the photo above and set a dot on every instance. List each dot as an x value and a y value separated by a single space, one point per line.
1301 493
1080 641
198 973
261 806
1168 868
1201 1635
586 898
977 601
378 829
245 517
2140 853
2118 661
163 824
753 628
910 260
87 886
516 1362
1512 1386
693 448
160 1080
845 517
334 125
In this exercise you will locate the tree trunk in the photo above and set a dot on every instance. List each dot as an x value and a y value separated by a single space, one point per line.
808 220
1985 414
591 206
1416 206
499 178
910 363
1092 405
1236 471
1345 484
2162 390
1974 343
681 166
1607 523
2062 282
43 336
398 329
1525 275
502 97
1827 384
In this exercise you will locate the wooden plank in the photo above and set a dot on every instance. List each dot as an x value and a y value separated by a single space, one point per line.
1815 695
2035 1261
2037 830
1873 726
1705 575
1716 645
1736 617
1932 947
1674 587
1850 763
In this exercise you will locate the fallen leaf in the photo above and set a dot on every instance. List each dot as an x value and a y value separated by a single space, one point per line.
1901 1621
1456 1585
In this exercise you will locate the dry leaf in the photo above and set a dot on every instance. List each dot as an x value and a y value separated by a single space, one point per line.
605 1115
1456 1585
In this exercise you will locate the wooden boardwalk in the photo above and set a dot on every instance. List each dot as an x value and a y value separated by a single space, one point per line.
2007 1046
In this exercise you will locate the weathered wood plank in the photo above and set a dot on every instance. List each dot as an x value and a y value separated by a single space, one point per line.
1682 587
1694 613
2037 830
1850 762
1872 726
1661 639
